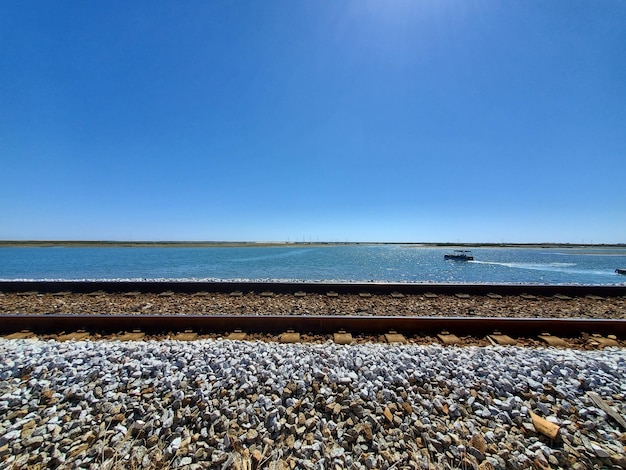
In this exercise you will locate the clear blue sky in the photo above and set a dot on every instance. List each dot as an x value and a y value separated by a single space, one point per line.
332 120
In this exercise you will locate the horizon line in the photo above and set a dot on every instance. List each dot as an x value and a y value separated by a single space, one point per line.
261 242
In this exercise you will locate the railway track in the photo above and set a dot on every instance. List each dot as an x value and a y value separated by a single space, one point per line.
448 330
575 333
341 404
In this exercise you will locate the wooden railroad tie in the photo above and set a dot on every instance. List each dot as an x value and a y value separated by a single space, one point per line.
562 297
528 297
448 338
237 335
24 334
502 340
131 294
602 342
554 341
135 335
79 335
342 337
290 337
393 337
187 335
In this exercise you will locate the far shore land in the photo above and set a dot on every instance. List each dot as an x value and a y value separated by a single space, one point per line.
243 244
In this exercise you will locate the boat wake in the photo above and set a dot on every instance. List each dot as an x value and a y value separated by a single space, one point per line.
548 267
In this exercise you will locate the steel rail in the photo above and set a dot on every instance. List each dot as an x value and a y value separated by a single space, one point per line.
190 287
463 326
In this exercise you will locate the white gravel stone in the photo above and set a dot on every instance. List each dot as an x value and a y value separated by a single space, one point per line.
215 402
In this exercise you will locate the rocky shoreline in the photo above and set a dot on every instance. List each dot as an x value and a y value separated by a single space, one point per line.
314 304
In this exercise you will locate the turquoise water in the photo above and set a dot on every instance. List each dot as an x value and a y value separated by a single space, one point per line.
380 263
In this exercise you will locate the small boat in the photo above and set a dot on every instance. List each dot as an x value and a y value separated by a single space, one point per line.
459 255
620 271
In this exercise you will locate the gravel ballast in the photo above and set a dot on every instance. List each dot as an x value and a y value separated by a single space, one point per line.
314 304
236 404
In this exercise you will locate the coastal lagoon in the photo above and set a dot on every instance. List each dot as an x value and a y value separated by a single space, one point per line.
302 262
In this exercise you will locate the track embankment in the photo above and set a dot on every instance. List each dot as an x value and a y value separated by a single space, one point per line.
197 400
313 308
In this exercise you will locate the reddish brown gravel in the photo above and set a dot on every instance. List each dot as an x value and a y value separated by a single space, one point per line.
313 304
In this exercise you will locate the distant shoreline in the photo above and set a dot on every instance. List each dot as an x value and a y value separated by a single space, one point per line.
235 244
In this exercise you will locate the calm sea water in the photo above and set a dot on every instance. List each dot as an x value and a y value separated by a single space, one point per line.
381 263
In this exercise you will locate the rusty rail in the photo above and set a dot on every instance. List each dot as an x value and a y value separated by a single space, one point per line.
462 326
